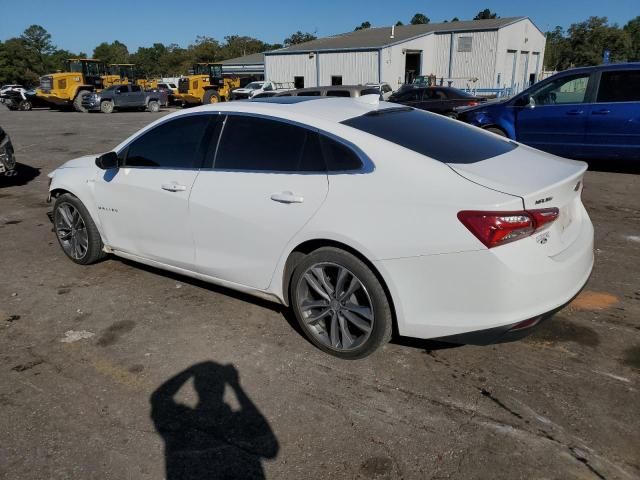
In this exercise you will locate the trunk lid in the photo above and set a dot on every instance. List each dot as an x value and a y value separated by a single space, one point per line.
542 181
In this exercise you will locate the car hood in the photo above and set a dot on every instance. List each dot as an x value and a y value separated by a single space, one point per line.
81 162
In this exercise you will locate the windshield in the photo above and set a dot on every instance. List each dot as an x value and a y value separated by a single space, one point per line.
254 85
200 69
74 66
111 88
431 135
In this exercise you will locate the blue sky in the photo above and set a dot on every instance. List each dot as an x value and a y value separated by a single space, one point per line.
141 23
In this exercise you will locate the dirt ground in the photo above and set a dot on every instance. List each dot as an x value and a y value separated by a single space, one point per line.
117 371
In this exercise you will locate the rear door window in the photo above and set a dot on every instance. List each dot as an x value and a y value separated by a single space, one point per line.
262 144
620 86
173 144
431 135
310 93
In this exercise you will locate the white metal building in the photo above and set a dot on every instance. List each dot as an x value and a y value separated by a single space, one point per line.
503 53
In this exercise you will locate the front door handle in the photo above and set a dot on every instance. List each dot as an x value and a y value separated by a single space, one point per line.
174 187
287 197
601 112
575 112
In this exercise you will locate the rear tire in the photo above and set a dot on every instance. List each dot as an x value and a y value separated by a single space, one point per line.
25 106
153 106
77 102
76 231
497 131
106 106
210 96
349 318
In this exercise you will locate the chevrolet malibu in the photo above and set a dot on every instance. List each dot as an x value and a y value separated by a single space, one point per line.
364 217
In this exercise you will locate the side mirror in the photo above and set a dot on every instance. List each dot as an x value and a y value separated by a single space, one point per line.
525 101
107 161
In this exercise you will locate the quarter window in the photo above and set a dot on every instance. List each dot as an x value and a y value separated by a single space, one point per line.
339 157
173 144
620 86
251 143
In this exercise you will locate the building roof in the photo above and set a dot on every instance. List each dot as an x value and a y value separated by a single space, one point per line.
253 59
380 37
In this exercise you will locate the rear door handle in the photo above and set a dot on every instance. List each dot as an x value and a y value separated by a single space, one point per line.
174 187
601 112
287 197
575 112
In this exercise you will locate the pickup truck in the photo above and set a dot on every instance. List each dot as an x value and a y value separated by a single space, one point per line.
125 97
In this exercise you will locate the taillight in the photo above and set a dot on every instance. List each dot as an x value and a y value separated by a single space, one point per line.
473 104
499 228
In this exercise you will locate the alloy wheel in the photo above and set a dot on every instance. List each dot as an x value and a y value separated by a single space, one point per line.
71 231
335 306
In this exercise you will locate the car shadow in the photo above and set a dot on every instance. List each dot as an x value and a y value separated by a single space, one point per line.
211 440
22 175
422 344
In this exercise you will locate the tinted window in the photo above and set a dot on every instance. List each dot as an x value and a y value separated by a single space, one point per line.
370 91
339 157
338 93
622 86
123 89
569 89
174 144
251 143
431 135
135 88
410 96
311 93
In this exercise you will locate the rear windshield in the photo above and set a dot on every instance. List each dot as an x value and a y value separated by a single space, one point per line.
431 135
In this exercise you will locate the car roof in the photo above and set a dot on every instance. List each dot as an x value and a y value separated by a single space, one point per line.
304 109
608 66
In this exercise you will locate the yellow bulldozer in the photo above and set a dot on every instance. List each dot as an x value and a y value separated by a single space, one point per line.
206 85
80 77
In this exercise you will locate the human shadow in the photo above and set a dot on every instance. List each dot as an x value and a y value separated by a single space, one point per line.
211 441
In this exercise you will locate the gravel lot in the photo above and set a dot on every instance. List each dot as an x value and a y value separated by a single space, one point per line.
91 357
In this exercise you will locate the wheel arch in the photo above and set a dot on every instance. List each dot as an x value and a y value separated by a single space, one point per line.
308 246
87 199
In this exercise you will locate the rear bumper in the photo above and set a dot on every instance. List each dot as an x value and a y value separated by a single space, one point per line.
505 333
448 295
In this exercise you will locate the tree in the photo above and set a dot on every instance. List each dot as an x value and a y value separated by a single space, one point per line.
299 37
420 19
589 39
399 23
116 52
455 19
363 26
485 14
239 46
632 29
37 41
556 54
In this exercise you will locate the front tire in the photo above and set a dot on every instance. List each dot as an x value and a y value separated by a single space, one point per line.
153 107
77 102
496 130
340 304
76 231
210 96
106 106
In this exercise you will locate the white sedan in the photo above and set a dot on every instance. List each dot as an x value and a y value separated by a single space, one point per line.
364 217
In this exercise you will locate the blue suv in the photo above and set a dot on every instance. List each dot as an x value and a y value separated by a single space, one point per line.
587 113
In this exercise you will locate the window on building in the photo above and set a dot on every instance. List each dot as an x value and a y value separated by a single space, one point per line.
620 86
336 80
251 143
298 82
465 44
